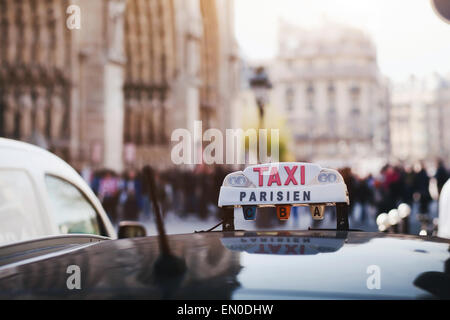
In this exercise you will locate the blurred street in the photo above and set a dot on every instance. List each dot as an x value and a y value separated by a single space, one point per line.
177 225
189 200
188 87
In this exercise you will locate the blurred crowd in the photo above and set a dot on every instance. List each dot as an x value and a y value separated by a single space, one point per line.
124 196
395 185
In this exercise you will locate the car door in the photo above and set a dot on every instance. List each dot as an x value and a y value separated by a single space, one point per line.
71 209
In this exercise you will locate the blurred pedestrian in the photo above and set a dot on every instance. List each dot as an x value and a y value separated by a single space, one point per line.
391 186
349 180
421 188
131 195
108 192
408 187
365 196
441 175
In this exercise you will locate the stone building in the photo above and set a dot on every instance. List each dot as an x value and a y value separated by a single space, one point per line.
110 93
35 73
327 83
443 116
419 116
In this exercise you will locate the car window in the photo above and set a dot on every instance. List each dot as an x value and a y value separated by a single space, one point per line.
70 208
19 209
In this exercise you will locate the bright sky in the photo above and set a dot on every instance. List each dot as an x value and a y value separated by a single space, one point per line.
409 37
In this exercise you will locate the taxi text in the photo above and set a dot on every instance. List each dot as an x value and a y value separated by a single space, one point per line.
264 196
294 176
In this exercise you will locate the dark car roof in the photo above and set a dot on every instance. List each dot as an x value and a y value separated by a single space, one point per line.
240 265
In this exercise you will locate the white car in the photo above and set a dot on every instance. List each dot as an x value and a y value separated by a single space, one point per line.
41 195
444 212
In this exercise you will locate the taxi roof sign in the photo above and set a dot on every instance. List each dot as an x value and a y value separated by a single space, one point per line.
292 183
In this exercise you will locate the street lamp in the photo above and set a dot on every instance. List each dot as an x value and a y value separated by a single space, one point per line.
260 84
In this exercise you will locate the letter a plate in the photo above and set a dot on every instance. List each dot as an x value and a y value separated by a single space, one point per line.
317 212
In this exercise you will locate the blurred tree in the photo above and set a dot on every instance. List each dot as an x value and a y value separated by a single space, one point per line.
273 120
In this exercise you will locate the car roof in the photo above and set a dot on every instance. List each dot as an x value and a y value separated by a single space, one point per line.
49 162
241 265
9 143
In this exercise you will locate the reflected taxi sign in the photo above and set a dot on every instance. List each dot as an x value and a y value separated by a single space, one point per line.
282 245
277 184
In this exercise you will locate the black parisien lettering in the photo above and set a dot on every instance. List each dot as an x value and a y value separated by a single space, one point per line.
279 196
262 196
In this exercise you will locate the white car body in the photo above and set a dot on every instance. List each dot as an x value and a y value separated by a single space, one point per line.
444 212
28 215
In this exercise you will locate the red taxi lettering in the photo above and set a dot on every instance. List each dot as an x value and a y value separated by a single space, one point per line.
290 249
302 175
277 249
260 171
274 177
261 249
291 177
274 249
302 249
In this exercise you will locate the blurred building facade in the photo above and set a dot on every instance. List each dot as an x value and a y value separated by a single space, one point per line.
328 85
111 93
419 116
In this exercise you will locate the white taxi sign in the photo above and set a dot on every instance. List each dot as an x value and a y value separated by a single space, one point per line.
292 183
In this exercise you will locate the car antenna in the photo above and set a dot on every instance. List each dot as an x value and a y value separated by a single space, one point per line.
167 265
149 181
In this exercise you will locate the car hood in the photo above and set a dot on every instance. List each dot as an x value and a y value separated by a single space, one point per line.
241 265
